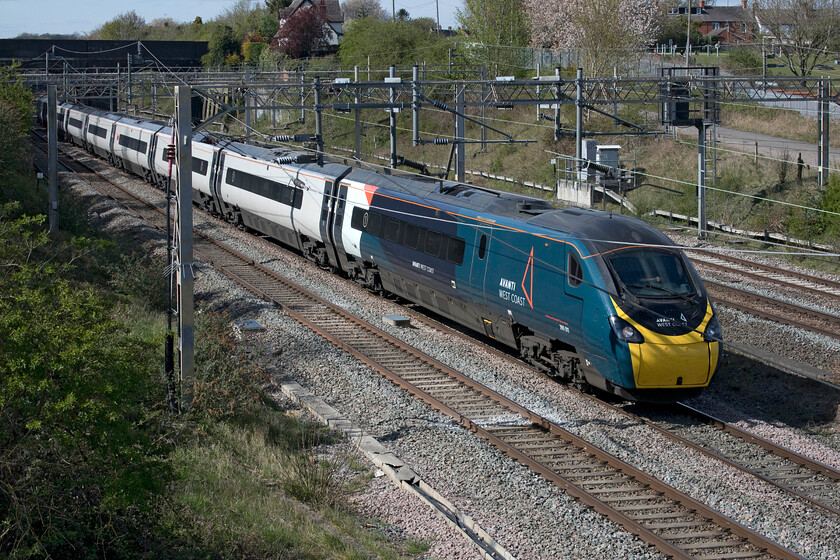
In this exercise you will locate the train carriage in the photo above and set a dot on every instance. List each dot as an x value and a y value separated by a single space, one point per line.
591 297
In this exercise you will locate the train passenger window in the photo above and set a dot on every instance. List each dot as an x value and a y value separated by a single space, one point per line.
392 230
482 247
574 270
199 165
433 242
374 223
411 237
455 250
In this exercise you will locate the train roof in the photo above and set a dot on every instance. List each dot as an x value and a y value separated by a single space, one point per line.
603 230
478 199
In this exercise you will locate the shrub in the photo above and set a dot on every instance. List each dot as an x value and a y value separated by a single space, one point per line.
831 203
227 382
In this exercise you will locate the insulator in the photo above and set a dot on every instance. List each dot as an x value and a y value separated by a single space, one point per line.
293 138
441 141
439 105
300 158
170 152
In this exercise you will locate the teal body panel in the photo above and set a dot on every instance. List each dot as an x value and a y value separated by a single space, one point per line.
520 279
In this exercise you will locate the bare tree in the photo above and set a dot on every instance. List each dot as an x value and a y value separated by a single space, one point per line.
803 29
358 9
606 33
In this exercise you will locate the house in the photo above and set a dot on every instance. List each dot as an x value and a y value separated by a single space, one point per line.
730 25
335 17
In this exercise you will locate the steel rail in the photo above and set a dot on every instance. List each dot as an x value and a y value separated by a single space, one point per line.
718 289
254 274
830 288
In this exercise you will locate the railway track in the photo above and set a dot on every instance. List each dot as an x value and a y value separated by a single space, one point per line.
773 309
817 483
674 523
769 308
810 480
814 285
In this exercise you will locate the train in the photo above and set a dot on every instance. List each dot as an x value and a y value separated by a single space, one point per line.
593 298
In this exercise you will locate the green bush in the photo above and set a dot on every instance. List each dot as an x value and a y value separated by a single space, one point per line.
383 43
831 205
82 441
744 60
227 382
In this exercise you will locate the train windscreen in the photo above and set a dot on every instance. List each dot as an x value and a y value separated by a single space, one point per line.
651 273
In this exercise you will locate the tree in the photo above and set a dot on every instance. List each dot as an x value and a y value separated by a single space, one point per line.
124 27
392 42
605 33
358 9
402 15
242 18
497 25
82 446
304 33
15 120
221 45
803 29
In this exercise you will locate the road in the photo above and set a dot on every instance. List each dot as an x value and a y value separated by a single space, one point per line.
767 146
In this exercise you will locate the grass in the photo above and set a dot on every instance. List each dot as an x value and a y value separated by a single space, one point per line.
775 121
231 495
254 483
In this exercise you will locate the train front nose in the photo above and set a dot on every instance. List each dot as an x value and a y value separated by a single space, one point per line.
670 357
667 363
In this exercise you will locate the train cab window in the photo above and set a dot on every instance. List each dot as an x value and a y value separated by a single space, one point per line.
650 273
433 242
411 237
574 270
392 230
482 247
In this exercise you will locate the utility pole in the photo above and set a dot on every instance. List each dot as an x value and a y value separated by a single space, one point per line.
52 158
184 239
578 123
688 35
702 227
823 122
460 135
392 116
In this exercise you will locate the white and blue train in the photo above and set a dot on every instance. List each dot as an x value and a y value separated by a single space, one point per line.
593 298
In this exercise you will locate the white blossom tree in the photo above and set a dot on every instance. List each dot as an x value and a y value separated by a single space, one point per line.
606 33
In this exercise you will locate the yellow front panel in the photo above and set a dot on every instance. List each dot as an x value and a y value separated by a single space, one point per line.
662 365
660 361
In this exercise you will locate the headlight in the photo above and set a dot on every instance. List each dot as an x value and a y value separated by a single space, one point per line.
713 333
625 331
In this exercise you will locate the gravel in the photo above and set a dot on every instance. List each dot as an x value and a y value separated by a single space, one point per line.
525 514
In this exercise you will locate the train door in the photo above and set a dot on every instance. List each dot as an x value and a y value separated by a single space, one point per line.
478 268
573 288
337 225
332 214
218 167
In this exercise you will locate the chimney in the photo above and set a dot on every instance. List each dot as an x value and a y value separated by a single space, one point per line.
702 4
744 4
